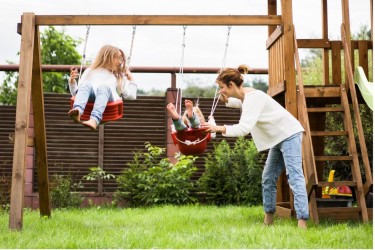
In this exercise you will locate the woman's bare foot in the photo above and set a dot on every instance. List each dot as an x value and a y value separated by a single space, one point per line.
302 224
268 218
189 108
172 110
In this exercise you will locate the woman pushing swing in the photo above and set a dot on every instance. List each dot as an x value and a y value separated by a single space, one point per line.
272 127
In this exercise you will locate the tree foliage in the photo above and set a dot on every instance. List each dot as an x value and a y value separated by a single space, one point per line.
197 87
56 48
260 83
8 90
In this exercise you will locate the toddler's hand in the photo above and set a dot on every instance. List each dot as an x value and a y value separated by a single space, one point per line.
128 74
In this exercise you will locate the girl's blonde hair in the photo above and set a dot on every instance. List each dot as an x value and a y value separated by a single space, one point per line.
233 75
105 59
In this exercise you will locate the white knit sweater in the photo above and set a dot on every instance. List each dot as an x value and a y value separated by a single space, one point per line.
267 121
100 76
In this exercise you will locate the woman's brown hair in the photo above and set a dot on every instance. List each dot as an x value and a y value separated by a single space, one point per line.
233 75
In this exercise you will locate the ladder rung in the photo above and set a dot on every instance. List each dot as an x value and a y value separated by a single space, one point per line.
329 133
326 109
334 158
323 91
329 210
337 183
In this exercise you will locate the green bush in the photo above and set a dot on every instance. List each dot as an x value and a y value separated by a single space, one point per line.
233 176
151 179
62 192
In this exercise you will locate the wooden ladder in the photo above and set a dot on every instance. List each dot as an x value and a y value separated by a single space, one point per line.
352 158
310 159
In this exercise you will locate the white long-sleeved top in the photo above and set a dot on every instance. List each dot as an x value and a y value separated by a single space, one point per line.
267 121
100 76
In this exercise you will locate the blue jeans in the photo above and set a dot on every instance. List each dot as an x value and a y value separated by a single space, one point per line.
287 153
180 125
86 93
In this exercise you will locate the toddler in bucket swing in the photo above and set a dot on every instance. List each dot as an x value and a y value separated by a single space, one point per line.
192 117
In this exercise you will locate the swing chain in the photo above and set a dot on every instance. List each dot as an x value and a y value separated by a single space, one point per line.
83 61
181 71
215 101
183 50
226 49
131 45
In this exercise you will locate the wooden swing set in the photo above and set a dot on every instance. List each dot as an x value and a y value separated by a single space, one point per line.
282 49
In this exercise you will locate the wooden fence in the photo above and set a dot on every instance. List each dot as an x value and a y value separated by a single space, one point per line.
72 149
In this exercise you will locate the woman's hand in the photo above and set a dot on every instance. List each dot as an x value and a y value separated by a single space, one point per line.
210 128
73 75
223 98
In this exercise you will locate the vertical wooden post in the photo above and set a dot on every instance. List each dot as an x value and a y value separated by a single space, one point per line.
171 148
101 156
170 97
22 122
173 81
290 75
272 10
289 70
325 37
40 129
371 19
317 120
346 22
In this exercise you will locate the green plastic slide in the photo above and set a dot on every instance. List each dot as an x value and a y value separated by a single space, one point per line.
364 86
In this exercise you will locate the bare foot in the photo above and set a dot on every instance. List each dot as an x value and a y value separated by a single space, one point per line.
90 124
268 218
189 108
172 110
302 224
75 115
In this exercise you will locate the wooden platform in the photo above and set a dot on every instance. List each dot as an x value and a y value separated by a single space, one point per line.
332 213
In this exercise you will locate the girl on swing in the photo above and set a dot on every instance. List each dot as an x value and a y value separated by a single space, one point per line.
106 80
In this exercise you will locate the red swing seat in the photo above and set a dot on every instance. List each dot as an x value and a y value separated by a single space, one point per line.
113 111
196 141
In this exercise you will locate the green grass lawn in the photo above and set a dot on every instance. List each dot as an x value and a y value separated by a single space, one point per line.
177 227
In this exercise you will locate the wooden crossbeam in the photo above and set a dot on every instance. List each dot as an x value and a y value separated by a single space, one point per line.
158 20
